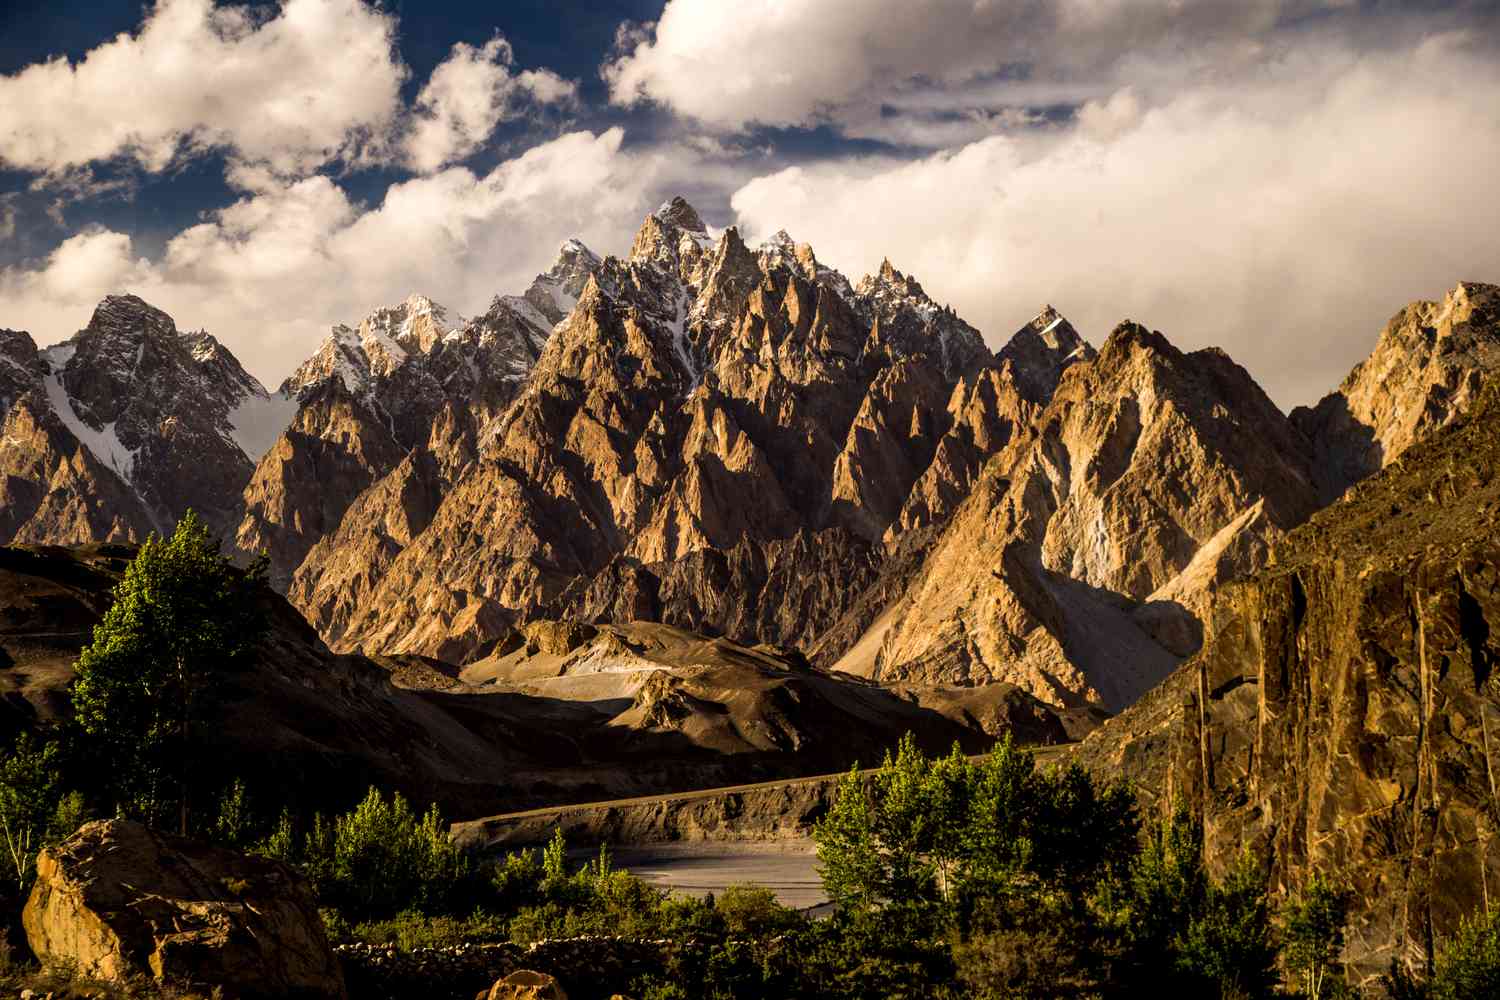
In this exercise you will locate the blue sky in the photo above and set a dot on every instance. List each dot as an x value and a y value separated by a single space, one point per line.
1272 176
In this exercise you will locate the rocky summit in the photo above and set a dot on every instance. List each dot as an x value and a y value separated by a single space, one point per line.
733 440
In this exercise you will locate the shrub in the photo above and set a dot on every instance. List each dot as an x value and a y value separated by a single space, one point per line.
1313 928
1468 967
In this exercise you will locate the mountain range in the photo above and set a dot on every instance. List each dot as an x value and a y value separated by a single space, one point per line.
731 440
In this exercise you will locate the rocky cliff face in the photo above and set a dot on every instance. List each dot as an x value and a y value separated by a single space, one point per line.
1424 372
415 382
1343 715
718 437
122 428
1048 574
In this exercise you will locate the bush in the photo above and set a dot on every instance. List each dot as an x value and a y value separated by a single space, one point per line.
1468 968
1313 928
378 860
34 809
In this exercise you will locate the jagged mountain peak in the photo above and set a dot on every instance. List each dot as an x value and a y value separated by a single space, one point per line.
1425 370
678 213
672 237
129 315
889 281
1039 352
554 294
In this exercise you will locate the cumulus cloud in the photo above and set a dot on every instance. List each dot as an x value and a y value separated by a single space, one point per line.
269 274
295 89
469 94
929 73
1284 219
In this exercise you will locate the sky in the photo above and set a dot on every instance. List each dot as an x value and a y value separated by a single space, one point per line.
1273 177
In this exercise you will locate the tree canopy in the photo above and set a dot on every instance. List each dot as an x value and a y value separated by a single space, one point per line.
183 615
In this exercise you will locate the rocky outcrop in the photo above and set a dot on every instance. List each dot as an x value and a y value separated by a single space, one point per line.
1142 458
1425 370
117 900
524 984
1342 715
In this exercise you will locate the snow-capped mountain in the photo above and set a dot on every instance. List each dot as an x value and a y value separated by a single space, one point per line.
734 440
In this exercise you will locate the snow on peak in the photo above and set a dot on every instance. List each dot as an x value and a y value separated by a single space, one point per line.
677 212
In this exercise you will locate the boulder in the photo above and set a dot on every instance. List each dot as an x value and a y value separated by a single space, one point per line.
117 900
524 984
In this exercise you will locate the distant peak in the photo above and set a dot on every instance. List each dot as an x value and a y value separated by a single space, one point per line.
573 249
130 315
677 212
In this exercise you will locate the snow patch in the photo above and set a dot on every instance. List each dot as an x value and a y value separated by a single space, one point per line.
60 354
105 444
530 313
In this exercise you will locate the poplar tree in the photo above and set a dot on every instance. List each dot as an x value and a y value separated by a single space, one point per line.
182 617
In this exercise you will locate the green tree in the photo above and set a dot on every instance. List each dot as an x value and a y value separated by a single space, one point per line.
182 616
34 811
954 833
848 854
1227 949
1313 924
1468 967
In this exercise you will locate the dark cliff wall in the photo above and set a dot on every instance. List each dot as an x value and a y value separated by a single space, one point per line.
1343 715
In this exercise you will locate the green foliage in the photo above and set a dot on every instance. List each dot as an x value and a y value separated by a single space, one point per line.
752 911
1180 929
181 617
34 809
848 852
1468 967
958 835
1313 924
232 825
378 859
411 930
1228 949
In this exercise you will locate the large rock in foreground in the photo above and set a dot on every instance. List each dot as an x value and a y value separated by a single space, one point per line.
116 899
525 985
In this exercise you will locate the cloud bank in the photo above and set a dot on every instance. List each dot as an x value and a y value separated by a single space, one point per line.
270 273
1284 219
309 84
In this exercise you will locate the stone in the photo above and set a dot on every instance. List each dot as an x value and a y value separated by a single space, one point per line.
524 984
116 900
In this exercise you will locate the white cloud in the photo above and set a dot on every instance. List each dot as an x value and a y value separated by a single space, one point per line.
269 274
308 84
470 93
800 62
1283 220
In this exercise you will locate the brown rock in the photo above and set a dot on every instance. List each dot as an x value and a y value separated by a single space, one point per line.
1430 361
117 900
1142 458
524 984
1342 716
